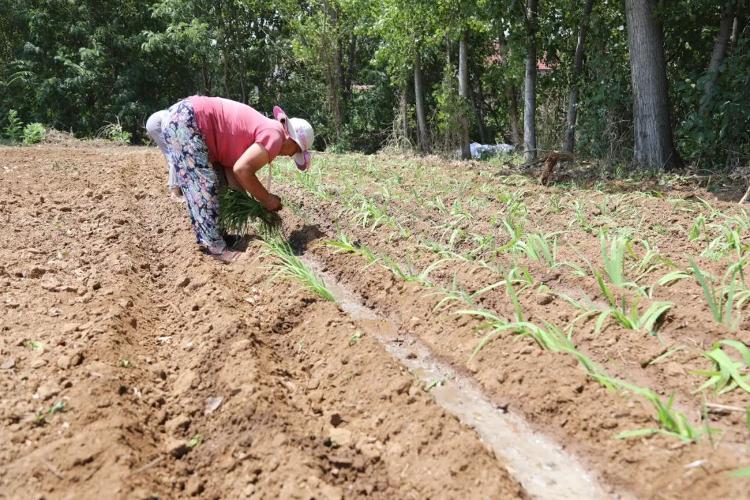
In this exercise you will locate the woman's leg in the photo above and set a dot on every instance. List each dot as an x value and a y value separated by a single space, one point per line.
188 152
154 127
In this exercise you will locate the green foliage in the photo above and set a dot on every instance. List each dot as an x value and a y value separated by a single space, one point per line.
344 64
33 133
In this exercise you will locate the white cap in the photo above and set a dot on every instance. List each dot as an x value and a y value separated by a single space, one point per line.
301 132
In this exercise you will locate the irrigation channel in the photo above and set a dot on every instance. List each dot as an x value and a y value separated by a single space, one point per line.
544 469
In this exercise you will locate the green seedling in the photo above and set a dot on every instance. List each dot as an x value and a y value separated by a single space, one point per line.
550 338
741 472
728 373
344 244
629 317
435 383
458 294
125 363
34 345
195 442
292 267
671 422
580 217
355 338
368 214
724 301
41 416
511 291
238 211
312 181
540 248
672 277
663 357
614 258
697 229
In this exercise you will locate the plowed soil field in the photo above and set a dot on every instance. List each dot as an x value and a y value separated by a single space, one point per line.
133 366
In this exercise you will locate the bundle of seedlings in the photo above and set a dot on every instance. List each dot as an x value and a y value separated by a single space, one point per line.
240 213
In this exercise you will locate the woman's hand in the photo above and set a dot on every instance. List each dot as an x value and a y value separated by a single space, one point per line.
273 203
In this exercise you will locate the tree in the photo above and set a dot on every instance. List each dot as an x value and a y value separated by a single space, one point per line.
463 93
529 93
409 32
570 122
718 53
654 145
424 137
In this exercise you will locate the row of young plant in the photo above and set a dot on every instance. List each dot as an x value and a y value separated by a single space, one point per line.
725 296
551 337
456 201
542 248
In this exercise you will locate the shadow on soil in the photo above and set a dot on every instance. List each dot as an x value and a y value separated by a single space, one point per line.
299 239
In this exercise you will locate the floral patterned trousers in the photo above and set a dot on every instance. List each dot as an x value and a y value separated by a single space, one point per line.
196 176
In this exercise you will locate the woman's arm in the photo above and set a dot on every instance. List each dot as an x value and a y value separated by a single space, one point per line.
252 160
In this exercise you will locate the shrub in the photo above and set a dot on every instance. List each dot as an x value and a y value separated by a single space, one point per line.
115 133
14 129
33 133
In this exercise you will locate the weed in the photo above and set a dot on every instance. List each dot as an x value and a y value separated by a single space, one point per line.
115 133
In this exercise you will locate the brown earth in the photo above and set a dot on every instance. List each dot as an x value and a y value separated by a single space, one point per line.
132 366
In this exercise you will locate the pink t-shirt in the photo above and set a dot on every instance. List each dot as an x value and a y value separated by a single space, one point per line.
231 127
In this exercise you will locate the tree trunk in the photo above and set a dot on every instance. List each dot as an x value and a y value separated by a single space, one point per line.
463 92
478 98
717 55
529 91
350 67
424 138
570 125
738 25
654 146
403 118
515 122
